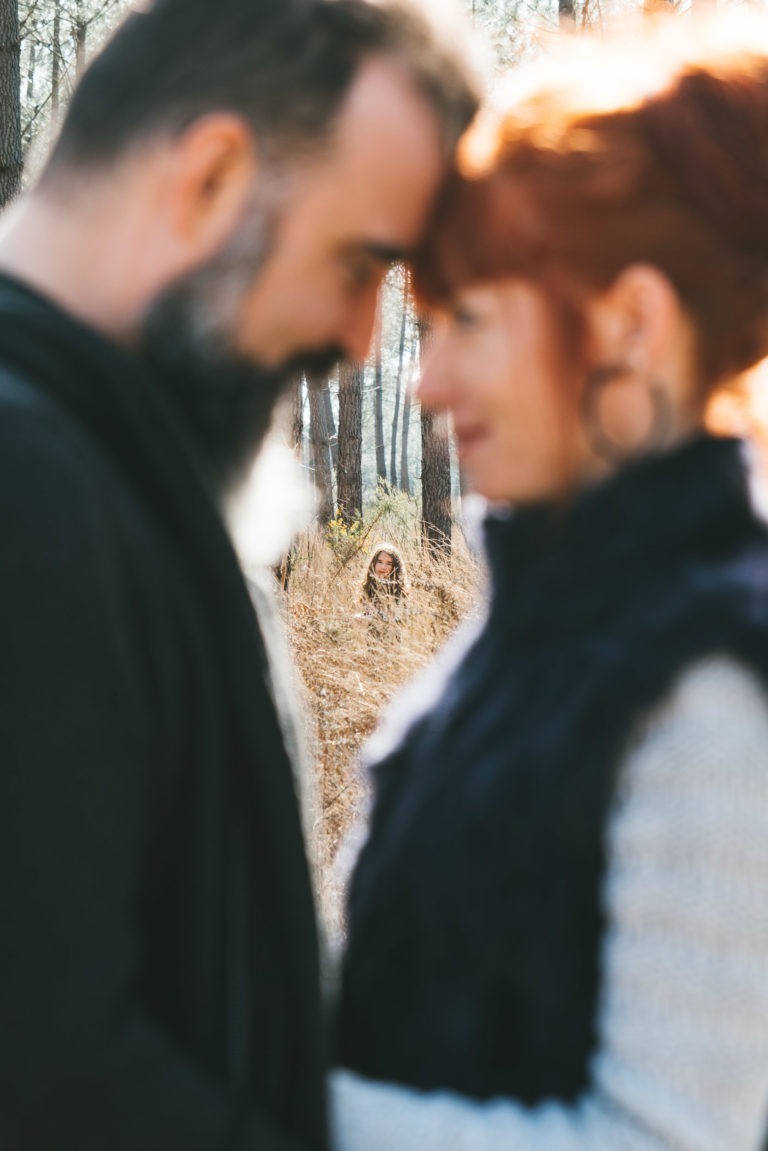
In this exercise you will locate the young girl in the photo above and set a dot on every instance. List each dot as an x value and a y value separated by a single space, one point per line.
385 586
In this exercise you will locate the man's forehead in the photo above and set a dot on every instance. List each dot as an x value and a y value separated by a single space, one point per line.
383 166
383 105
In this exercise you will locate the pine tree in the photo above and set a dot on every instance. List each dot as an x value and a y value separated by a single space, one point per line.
10 102
435 476
349 469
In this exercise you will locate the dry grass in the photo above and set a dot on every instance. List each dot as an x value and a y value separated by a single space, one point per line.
351 667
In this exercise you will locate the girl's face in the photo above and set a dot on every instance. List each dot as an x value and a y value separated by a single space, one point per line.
383 565
492 363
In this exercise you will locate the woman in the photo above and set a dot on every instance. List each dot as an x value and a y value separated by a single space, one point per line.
558 929
385 586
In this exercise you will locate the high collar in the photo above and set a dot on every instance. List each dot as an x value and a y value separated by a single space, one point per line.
112 393
89 373
651 514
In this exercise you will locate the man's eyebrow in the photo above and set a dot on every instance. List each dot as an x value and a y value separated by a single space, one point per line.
383 253
389 253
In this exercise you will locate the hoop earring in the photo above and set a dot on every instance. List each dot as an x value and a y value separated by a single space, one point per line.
602 443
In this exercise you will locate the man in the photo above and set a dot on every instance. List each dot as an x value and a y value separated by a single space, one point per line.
231 182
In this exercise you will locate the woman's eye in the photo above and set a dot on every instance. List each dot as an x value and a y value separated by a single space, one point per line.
465 317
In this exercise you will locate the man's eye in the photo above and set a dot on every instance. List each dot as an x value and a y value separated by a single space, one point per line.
362 271
464 317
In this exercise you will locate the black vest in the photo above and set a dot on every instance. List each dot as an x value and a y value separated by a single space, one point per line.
475 922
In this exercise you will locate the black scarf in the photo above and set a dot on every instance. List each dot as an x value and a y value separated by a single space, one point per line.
474 919
111 394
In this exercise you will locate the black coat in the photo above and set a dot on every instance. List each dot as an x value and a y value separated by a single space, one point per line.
475 918
158 964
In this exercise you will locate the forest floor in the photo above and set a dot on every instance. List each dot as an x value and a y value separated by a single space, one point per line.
351 668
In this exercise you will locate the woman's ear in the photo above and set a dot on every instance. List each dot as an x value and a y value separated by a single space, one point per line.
638 321
641 387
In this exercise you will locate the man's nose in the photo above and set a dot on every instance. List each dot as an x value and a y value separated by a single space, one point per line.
359 325
433 387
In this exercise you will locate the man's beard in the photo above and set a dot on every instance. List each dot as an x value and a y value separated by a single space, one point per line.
224 401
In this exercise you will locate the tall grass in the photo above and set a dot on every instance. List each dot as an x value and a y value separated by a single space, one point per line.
351 666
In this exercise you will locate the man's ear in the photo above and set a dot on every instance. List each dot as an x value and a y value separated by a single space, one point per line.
638 318
213 172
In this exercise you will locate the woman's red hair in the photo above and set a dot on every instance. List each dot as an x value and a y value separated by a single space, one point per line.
652 151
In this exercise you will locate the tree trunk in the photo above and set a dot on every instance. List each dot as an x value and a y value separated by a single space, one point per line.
435 485
32 60
330 425
297 417
435 478
321 454
349 463
398 385
393 444
81 32
10 104
405 473
56 62
378 401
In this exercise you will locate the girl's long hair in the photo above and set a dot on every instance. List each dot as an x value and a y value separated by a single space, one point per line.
396 585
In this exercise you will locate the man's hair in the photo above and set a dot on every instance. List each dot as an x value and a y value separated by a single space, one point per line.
283 65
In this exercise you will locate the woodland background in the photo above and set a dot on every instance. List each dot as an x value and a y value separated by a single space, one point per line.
361 430
382 470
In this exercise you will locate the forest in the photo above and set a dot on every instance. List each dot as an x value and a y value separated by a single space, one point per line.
381 470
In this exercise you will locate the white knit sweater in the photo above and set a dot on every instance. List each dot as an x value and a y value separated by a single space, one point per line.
682 1056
